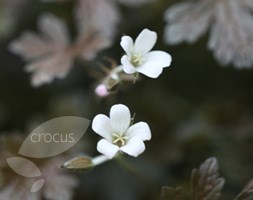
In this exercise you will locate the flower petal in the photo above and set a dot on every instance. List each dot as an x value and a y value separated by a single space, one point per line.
127 44
150 69
102 126
140 130
134 147
127 66
162 58
145 41
107 148
120 118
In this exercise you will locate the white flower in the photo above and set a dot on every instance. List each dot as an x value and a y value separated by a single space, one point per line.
119 134
140 59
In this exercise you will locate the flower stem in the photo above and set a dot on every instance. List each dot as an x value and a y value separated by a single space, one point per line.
99 160
118 69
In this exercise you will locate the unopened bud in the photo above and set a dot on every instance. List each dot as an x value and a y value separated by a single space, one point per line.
101 90
79 163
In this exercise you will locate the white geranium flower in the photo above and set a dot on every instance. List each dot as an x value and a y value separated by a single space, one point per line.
119 134
140 59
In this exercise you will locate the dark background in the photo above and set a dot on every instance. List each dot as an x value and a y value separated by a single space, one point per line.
196 109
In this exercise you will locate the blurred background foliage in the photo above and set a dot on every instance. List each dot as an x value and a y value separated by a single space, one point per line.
196 109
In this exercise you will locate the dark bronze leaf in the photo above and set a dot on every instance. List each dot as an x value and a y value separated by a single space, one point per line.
246 193
170 193
205 181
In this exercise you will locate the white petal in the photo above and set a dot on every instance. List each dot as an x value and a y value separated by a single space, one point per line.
140 130
162 58
127 66
120 118
127 44
145 41
101 125
134 147
150 69
107 148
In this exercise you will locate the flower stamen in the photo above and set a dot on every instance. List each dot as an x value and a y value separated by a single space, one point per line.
119 140
137 60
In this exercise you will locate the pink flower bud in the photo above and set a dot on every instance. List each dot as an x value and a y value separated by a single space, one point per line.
101 90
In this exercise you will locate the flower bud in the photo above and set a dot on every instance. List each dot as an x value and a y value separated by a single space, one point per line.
101 90
78 163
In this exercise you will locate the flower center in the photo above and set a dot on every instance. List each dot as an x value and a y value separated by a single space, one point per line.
119 140
137 60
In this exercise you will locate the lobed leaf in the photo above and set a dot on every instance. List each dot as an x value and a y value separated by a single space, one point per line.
205 181
230 23
246 193
170 193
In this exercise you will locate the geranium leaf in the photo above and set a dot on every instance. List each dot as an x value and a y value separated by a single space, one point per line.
205 181
170 193
246 193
